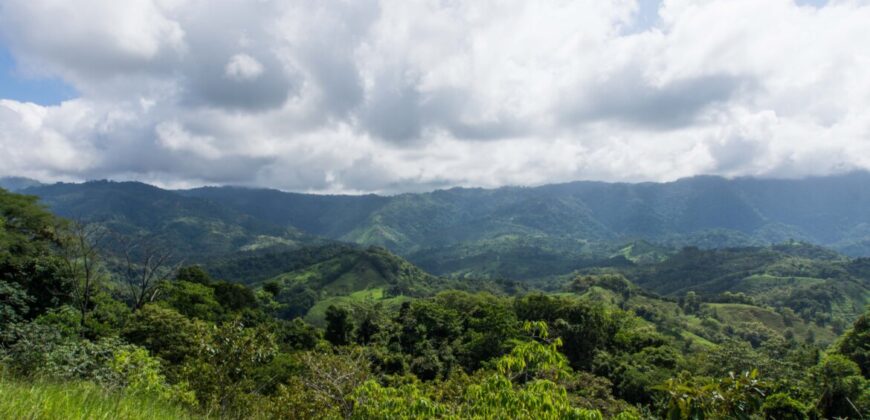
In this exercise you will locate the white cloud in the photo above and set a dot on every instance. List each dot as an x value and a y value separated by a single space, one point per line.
243 67
390 95
44 142
89 41
173 136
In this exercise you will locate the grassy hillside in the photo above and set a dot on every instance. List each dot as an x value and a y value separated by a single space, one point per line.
82 400
812 282
516 257
259 265
305 282
643 252
705 324
807 290
355 270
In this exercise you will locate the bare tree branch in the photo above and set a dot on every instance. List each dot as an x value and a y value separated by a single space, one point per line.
80 245
147 264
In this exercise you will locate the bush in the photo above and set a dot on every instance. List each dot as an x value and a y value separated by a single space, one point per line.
27 346
165 333
138 372
224 371
40 353
782 407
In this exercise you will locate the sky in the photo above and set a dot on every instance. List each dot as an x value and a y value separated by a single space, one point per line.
389 96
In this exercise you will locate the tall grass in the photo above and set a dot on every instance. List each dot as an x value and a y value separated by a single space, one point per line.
49 401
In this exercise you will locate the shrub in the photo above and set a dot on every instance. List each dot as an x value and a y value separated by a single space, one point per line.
782 407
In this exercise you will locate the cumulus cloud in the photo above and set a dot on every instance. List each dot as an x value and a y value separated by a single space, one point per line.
243 67
397 95
630 99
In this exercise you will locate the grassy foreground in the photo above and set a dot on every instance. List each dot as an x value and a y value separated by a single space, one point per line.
79 401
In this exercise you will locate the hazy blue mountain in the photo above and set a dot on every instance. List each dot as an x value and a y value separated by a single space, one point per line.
705 211
17 183
323 215
506 232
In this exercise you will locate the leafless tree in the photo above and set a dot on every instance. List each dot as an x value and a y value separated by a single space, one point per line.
146 264
80 248
332 378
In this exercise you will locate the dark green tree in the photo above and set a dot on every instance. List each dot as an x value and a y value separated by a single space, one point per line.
367 329
339 327
855 344
193 274
165 333
32 275
691 302
192 299
844 392
296 335
234 297
782 407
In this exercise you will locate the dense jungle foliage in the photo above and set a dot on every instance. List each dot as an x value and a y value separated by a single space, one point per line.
98 320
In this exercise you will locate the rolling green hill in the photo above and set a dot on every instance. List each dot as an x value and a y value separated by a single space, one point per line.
306 281
814 283
704 324
804 288
515 257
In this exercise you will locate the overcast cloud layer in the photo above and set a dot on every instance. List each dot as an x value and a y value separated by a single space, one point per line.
401 95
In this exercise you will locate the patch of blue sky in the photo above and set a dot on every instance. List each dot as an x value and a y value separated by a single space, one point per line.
814 3
647 15
25 88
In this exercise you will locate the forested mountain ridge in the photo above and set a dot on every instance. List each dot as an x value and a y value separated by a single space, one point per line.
499 233
193 227
706 211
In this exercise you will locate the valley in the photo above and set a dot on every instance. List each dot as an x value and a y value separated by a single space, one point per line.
647 289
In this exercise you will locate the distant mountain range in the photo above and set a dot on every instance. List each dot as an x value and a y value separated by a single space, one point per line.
489 232
193 227
705 211
16 183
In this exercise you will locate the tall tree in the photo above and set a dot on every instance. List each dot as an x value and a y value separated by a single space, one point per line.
80 250
855 344
146 265
338 325
31 275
